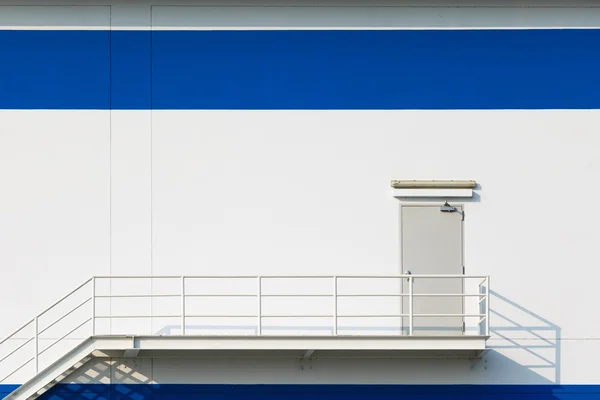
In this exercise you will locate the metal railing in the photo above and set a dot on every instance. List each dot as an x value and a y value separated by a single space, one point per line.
191 305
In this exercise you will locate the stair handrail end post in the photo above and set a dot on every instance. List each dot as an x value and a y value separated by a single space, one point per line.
410 305
259 308
335 306
183 305
487 306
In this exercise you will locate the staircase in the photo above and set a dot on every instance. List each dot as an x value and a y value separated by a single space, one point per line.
55 373
47 348
123 316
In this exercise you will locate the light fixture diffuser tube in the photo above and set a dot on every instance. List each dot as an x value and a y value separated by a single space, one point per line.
448 184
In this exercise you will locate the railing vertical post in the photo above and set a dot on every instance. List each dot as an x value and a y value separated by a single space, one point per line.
183 305
259 305
37 346
93 306
410 305
335 306
487 306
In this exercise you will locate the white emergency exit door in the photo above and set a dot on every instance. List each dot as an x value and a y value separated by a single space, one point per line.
432 244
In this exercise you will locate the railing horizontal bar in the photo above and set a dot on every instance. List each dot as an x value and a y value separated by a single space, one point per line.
64 336
407 315
292 277
411 276
138 277
220 316
297 295
296 316
220 295
17 369
254 316
287 316
446 295
119 296
290 295
136 316
17 349
216 277
414 295
25 325
64 316
372 315
373 295
448 315
194 277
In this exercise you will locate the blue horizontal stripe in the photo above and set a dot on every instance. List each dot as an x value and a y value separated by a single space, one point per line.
502 69
130 70
466 69
320 392
315 392
5 390
54 70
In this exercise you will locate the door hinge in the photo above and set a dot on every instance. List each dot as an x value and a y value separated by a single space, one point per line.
463 327
463 270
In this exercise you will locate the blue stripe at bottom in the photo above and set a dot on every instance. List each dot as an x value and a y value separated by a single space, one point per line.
317 392
6 389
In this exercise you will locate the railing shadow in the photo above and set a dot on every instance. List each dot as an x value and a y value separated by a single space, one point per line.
525 337
105 378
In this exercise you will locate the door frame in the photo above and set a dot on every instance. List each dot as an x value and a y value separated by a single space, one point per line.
436 203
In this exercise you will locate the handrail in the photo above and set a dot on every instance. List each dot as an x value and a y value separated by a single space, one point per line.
64 336
288 276
15 350
25 325
65 297
260 290
20 367
64 316
38 331
46 310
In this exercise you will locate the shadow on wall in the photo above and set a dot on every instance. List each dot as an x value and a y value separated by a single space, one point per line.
524 348
526 338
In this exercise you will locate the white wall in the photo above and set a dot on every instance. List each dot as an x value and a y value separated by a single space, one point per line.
327 207
306 192
54 207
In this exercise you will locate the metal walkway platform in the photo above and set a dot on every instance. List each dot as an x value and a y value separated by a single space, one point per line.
244 316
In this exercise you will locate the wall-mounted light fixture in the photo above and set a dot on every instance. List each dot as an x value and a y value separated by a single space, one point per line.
417 184
433 188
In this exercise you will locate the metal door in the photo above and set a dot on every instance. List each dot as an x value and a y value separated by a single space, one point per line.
432 244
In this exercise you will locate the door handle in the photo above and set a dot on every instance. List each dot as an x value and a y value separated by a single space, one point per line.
408 273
